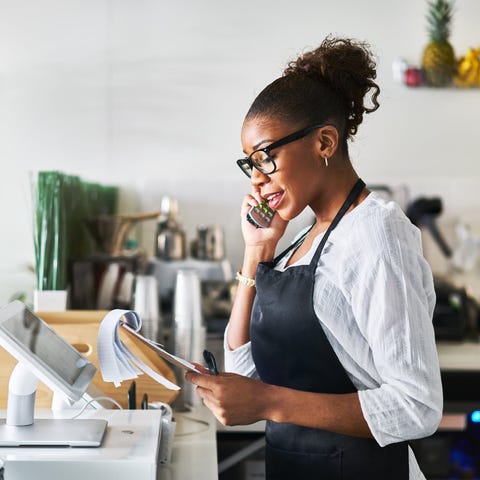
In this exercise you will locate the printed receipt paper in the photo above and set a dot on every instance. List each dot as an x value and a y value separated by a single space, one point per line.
118 363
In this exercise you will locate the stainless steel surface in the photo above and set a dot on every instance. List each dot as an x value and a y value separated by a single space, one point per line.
209 244
169 207
171 244
171 239
166 272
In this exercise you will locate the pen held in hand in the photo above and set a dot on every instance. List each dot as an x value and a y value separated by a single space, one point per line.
132 396
210 361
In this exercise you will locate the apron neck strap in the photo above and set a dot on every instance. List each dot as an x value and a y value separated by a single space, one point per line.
352 196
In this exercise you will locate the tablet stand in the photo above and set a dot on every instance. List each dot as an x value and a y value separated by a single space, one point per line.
20 429
22 389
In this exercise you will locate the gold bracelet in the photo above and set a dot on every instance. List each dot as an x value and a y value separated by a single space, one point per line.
249 282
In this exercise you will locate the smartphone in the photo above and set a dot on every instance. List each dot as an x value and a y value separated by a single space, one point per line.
261 215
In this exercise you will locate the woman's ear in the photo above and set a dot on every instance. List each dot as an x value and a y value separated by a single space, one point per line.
327 141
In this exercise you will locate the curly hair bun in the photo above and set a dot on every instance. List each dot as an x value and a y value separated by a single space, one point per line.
348 67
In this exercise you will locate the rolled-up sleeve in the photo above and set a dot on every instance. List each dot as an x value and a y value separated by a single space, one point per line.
393 305
239 360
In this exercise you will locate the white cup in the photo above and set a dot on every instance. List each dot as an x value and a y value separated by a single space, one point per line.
146 304
187 307
189 331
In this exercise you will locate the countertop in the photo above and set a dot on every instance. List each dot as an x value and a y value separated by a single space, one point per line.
464 355
129 450
195 450
195 447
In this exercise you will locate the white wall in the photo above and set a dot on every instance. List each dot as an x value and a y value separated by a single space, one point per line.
150 95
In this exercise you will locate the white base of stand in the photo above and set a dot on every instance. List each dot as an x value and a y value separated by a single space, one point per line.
53 433
20 429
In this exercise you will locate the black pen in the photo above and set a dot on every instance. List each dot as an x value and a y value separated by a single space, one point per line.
144 405
132 396
210 361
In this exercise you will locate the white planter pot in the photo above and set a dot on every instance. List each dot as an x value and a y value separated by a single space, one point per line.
50 300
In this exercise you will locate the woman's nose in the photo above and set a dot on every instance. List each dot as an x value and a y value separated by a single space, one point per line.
258 178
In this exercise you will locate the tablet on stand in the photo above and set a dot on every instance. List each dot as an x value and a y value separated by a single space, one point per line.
46 356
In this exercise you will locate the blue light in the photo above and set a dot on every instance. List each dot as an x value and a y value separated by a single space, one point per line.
475 416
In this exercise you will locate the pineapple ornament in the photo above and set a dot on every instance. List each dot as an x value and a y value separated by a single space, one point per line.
438 60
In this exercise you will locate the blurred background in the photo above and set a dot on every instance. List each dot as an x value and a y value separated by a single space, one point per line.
150 96
136 106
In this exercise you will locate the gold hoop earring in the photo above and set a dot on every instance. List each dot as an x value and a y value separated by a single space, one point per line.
326 161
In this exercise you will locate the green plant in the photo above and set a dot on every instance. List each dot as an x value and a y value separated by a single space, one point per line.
62 203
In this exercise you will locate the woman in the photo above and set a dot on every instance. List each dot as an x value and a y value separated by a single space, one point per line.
331 342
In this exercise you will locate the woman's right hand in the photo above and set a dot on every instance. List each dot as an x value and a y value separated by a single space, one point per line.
260 244
260 237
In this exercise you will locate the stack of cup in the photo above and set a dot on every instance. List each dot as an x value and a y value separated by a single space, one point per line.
189 331
146 304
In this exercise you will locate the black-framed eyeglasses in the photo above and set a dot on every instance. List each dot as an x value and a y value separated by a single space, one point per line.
261 158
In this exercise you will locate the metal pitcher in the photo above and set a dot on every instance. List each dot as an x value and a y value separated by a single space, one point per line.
209 244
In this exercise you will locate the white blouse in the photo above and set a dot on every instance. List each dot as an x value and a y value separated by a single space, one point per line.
374 298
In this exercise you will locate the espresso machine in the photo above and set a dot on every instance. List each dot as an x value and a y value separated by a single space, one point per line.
216 278
205 255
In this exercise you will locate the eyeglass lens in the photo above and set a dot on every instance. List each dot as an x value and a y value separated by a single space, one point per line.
263 161
245 166
260 160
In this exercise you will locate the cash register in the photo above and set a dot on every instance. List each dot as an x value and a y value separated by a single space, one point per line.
43 355
45 444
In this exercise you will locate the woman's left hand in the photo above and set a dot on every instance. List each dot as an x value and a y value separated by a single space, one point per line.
233 399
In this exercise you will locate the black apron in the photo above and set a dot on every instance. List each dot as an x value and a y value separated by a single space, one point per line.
290 349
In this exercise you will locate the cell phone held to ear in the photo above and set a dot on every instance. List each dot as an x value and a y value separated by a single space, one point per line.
261 215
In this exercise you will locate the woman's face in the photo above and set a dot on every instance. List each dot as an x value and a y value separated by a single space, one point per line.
298 179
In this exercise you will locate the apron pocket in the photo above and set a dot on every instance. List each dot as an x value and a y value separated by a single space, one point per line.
287 465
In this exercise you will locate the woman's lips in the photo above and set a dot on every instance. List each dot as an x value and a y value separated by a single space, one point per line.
274 200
